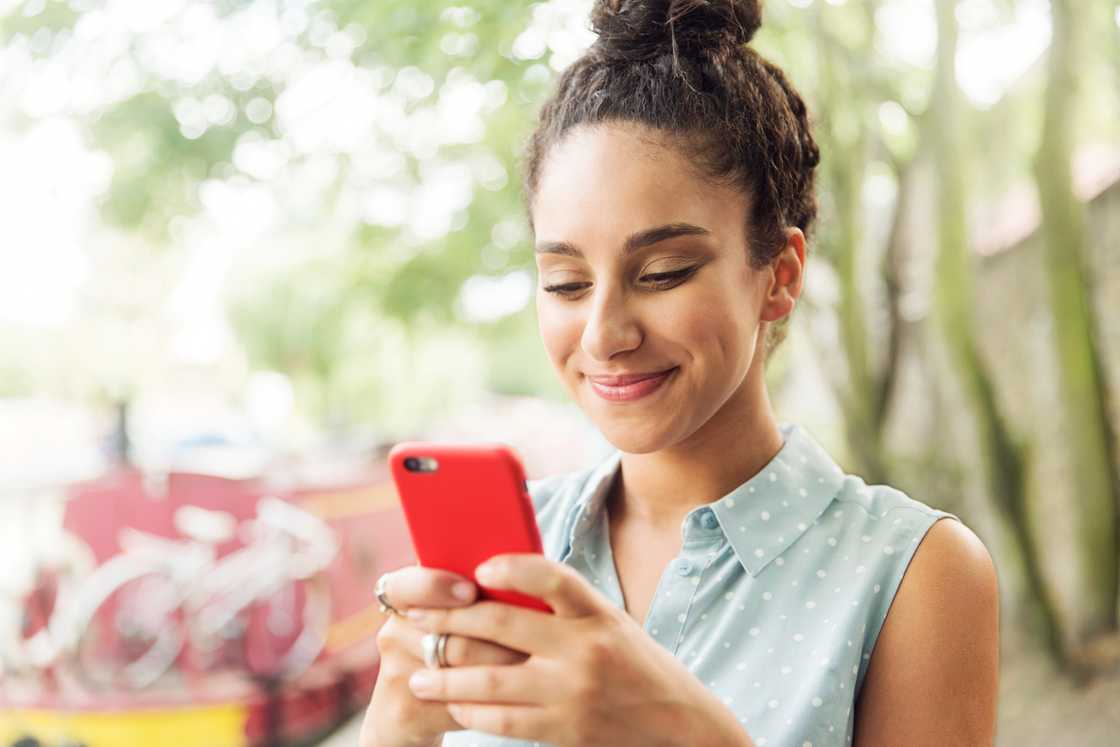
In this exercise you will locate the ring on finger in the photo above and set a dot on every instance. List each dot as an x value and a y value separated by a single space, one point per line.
379 592
434 646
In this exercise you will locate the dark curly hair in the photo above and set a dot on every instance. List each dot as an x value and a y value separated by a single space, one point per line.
683 67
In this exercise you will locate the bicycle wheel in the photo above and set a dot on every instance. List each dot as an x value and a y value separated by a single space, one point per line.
280 631
26 644
124 630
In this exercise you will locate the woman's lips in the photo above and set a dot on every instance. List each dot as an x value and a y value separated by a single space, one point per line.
629 387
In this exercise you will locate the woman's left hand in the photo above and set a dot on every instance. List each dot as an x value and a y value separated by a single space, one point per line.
593 676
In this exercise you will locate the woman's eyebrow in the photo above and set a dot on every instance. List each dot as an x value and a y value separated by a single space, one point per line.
634 242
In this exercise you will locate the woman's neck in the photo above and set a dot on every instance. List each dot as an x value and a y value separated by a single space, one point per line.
658 489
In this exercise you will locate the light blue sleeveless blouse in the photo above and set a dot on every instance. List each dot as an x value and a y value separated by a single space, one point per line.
777 596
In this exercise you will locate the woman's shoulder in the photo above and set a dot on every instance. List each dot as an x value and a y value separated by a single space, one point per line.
947 597
877 501
895 541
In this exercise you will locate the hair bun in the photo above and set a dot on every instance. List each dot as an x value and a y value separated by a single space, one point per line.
636 29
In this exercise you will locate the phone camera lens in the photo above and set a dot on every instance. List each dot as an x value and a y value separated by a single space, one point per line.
412 464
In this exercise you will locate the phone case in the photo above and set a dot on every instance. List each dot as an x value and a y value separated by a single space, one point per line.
473 506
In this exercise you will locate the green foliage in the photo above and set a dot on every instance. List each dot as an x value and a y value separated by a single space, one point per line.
53 17
402 33
314 316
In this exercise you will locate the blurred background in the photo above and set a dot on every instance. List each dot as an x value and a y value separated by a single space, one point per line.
246 246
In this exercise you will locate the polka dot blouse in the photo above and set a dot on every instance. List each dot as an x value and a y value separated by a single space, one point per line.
777 596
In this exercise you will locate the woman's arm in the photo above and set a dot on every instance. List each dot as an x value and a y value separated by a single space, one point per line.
933 676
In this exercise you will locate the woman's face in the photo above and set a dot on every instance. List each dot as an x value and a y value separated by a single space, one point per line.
683 300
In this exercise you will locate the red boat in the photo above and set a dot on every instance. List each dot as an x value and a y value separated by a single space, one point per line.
208 615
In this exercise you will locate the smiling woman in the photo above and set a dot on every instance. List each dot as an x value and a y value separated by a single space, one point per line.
718 579
637 279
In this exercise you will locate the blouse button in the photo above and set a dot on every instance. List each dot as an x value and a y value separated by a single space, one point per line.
684 567
708 520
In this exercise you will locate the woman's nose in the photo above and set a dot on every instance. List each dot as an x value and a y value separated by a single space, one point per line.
610 327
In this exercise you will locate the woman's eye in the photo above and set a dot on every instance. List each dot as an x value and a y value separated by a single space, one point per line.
565 289
659 279
669 278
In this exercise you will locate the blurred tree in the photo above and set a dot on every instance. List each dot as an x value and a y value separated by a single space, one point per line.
1004 455
1084 389
850 90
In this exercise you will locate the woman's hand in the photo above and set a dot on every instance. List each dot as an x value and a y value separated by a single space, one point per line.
395 717
593 677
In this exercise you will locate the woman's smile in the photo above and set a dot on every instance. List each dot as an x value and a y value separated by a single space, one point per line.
629 388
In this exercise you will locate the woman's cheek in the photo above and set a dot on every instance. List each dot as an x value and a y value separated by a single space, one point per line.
559 332
690 316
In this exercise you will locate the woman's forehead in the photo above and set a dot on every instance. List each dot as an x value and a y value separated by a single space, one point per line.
605 182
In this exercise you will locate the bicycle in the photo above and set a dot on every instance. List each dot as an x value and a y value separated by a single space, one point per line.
263 608
30 591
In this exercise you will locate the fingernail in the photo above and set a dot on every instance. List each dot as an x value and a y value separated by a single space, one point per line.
463 590
485 573
415 615
422 682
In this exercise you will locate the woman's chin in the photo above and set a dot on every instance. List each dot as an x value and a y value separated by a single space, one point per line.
640 426
635 438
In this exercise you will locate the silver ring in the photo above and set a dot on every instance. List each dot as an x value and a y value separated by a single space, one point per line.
441 650
379 592
435 650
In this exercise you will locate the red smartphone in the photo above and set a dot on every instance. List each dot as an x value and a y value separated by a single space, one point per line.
464 504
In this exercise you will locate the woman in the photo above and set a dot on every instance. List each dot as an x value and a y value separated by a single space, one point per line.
718 580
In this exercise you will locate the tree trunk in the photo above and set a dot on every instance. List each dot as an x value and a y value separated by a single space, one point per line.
845 144
1003 456
1084 395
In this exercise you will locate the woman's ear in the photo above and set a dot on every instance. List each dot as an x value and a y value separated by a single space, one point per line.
787 271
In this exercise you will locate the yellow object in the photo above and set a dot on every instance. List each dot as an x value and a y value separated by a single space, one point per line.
190 726
345 503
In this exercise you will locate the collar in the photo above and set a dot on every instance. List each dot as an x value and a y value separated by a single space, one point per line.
761 518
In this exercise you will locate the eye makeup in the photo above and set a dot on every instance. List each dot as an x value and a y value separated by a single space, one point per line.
660 280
